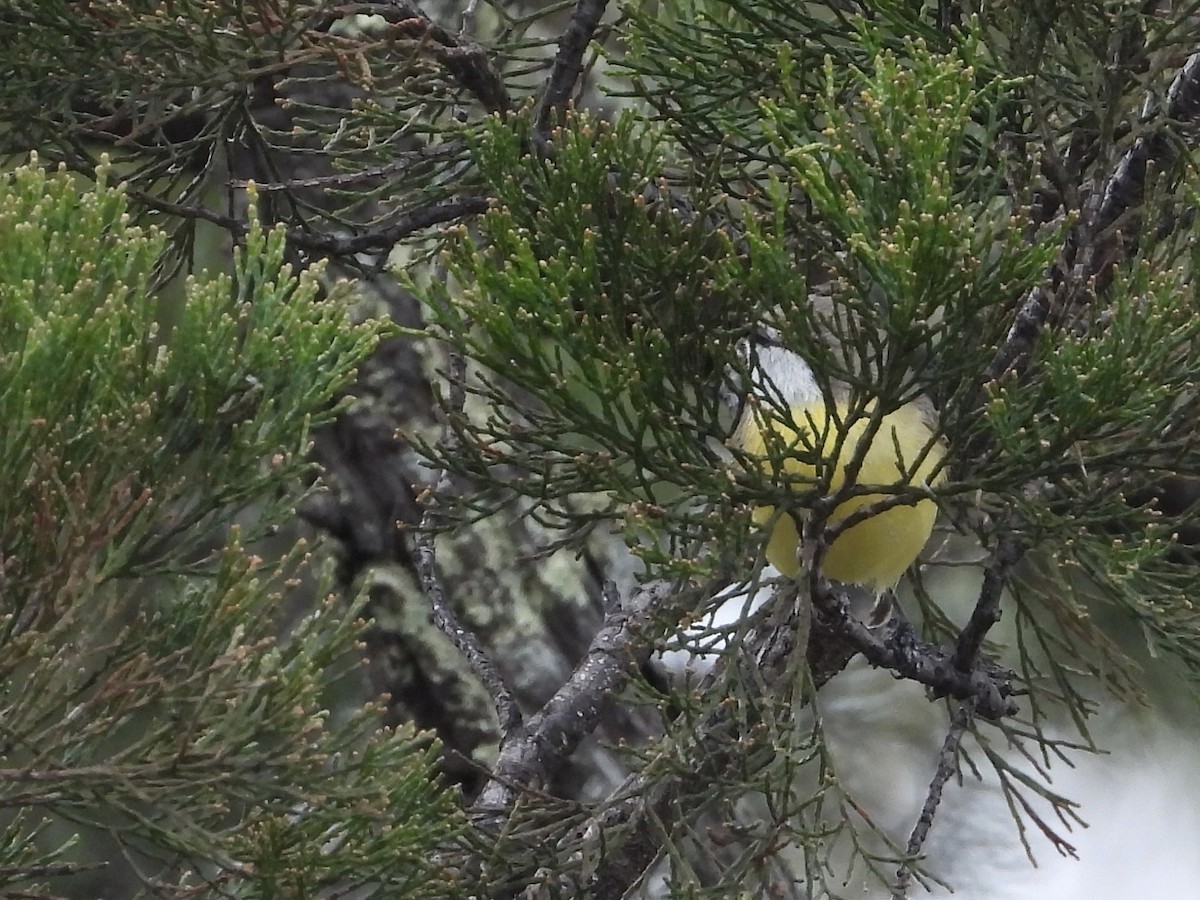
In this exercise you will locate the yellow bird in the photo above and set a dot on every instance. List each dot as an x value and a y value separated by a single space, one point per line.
877 551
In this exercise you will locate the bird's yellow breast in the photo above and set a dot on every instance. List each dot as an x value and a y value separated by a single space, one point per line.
878 550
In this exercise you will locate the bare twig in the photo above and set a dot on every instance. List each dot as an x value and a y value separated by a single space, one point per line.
12 874
568 62
946 768
1022 336
636 821
987 608
528 755
895 646
966 653
1087 256
235 226
508 712
385 237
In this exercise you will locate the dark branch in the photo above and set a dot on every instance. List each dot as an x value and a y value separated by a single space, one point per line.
397 165
1125 189
1122 192
946 767
568 62
987 607
648 803
385 237
235 226
508 712
896 647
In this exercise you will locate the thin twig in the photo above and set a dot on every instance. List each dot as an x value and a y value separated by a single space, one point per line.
946 767
398 164
386 237
1087 255
508 711
235 226
637 820
987 608
966 654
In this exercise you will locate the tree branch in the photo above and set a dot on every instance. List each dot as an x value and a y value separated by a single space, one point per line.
1122 192
508 712
528 755
1125 188
568 62
946 768
645 806
634 826
385 237
236 227
896 647
987 608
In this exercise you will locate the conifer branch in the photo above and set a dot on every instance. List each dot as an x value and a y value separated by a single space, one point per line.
643 810
235 226
896 647
568 62
466 61
1080 261
987 608
1124 190
508 711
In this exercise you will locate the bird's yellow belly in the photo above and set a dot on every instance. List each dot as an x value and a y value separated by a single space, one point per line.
876 551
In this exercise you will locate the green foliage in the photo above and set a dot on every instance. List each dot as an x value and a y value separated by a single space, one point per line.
613 311
922 243
601 317
177 91
185 727
1106 415
921 177
160 87
176 713
706 67
121 440
898 168
599 314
